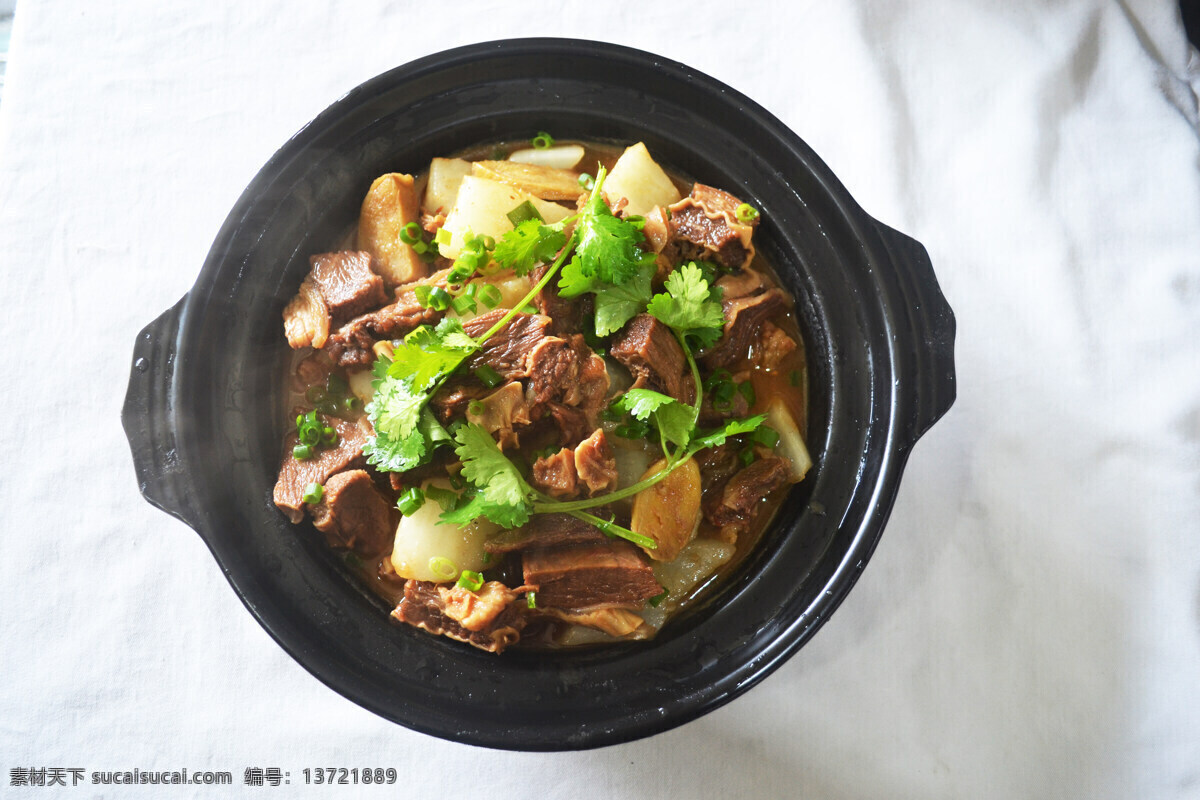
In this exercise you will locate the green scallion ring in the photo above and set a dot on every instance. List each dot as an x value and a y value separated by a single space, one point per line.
411 501
746 213
411 233
313 493
301 452
543 141
470 580
443 568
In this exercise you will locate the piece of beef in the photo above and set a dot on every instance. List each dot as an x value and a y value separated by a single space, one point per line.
740 284
566 314
742 497
593 378
296 474
653 356
712 414
306 317
508 350
705 224
423 607
353 513
772 347
314 370
595 464
545 530
608 574
717 465
477 611
351 344
589 467
744 319
554 372
454 397
572 423
347 283
555 474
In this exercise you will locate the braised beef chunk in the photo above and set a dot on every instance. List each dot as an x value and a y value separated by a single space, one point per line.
296 474
554 372
653 356
424 607
744 318
705 225
772 347
740 284
593 378
314 370
477 611
453 398
566 315
610 573
351 345
545 530
743 495
595 464
353 513
306 317
508 350
347 283
589 468
572 423
555 474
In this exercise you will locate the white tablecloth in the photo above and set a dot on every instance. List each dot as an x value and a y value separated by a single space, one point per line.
1028 627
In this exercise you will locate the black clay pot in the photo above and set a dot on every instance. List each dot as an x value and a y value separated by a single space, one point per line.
204 408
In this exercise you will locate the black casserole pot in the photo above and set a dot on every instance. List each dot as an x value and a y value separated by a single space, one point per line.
204 412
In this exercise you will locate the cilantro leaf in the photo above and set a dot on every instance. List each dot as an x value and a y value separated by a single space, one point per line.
427 354
502 495
733 427
616 305
608 246
395 411
688 307
529 243
674 419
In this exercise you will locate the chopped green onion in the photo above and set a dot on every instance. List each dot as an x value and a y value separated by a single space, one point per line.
336 384
459 273
313 493
410 234
464 304
658 598
443 497
543 141
423 294
637 221
471 581
419 247
491 379
443 237
531 599
314 394
523 212
301 452
458 481
411 501
487 557
633 429
746 213
439 299
586 182
767 437
475 408
349 403
747 456
329 437
746 389
489 295
794 377
489 242
529 308
443 568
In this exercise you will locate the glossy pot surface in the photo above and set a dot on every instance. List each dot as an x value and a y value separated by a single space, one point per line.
204 408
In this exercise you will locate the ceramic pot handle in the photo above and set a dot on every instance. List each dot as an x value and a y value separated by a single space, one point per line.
148 416
932 323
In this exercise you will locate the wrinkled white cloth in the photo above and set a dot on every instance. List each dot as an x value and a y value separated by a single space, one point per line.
1030 623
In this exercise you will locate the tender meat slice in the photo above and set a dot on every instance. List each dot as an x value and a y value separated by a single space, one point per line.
554 372
740 500
657 229
306 317
717 465
590 466
772 348
609 574
347 283
572 423
455 397
618 622
508 350
545 530
653 356
501 412
351 345
741 284
476 611
712 416
555 474
566 315
295 475
423 607
707 221
595 464
353 513
744 319
593 378
313 370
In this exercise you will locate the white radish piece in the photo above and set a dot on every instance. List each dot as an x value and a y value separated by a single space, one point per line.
639 179
445 175
427 551
565 156
791 444
482 209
